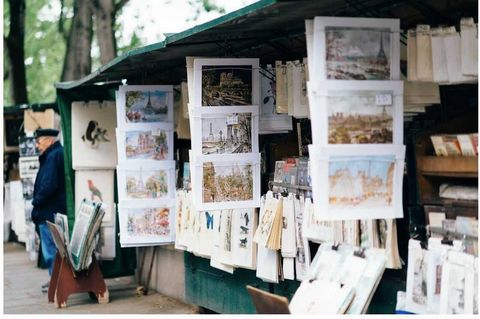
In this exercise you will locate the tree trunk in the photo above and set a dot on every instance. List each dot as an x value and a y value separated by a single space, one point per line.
78 61
16 52
104 20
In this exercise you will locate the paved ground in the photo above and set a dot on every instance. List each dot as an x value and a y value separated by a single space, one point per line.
22 292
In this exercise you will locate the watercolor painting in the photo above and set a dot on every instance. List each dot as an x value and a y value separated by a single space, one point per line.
358 53
147 144
226 135
149 183
146 106
361 181
148 222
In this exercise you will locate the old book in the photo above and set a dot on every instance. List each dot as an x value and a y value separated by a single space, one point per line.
275 238
438 145
452 145
474 138
466 145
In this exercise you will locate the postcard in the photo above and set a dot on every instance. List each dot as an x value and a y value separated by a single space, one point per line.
356 48
144 104
349 185
226 82
416 295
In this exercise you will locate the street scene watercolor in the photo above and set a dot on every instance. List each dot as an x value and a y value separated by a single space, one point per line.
147 183
223 183
226 135
227 85
361 181
146 106
356 119
148 222
357 54
146 145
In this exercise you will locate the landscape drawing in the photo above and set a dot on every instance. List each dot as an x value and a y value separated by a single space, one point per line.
230 134
356 119
227 85
357 53
146 106
456 291
419 293
223 183
152 184
146 145
148 222
361 181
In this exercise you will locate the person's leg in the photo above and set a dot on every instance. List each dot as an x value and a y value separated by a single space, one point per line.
48 246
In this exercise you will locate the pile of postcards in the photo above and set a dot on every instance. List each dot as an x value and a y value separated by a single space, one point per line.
223 107
146 169
442 279
94 161
356 108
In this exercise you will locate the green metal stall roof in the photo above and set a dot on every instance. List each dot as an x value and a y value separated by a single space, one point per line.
267 29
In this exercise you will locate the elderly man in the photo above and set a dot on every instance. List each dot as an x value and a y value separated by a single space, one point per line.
48 191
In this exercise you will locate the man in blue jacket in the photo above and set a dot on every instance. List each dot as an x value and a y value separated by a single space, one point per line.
48 191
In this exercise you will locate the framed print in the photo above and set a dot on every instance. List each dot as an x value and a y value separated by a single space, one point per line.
231 132
416 294
146 142
349 185
144 104
226 82
146 182
147 225
227 181
93 141
356 112
96 186
356 48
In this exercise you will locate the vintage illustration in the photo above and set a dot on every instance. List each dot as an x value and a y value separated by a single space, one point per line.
151 183
356 119
361 181
358 53
147 144
148 222
230 134
244 229
456 291
223 183
95 134
146 106
419 292
227 85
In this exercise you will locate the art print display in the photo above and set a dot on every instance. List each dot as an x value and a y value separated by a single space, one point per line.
93 135
144 104
244 225
27 146
96 186
357 48
271 209
148 142
28 167
349 185
141 226
416 298
226 82
365 113
226 133
146 183
226 179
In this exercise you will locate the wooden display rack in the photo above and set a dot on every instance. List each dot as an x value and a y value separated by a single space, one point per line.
65 281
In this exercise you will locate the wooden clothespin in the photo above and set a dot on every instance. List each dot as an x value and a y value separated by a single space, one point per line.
360 253
335 246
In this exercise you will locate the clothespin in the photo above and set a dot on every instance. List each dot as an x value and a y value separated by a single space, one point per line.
424 245
335 246
446 240
360 253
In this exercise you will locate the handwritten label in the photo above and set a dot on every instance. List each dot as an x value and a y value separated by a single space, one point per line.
383 99
232 119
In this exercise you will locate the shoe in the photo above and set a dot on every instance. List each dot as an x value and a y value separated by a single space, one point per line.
45 287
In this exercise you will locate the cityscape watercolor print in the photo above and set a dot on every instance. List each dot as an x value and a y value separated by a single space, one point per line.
223 183
148 222
226 135
361 181
146 106
358 53
356 119
226 85
147 144
143 184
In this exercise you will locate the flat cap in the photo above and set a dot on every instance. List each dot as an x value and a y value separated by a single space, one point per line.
46 132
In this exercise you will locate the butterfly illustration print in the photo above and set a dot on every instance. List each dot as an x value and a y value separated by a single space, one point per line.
209 220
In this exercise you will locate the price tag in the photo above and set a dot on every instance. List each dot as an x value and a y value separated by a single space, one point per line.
383 99
232 120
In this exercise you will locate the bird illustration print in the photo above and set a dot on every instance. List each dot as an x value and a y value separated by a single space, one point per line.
94 134
95 192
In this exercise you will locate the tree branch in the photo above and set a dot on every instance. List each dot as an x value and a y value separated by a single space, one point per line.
61 22
119 5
